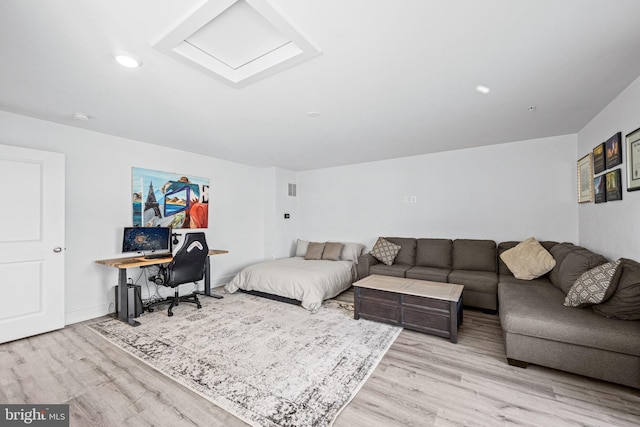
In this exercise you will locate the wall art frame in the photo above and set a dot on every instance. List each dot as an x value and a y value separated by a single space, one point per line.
599 162
599 189
613 147
633 160
166 199
585 179
614 185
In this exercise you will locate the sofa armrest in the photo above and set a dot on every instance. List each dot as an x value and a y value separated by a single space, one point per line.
364 264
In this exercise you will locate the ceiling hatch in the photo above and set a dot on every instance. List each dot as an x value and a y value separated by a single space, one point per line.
237 41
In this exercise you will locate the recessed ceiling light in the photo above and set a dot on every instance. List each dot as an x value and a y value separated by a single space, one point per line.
127 60
313 114
483 89
80 116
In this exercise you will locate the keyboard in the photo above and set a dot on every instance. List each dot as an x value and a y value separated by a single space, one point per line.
156 256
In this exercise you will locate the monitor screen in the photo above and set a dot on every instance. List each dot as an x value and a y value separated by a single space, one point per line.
146 239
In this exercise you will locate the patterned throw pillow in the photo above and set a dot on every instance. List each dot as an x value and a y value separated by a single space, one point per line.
385 251
591 288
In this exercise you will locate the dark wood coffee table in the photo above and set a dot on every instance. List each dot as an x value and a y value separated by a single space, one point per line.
430 307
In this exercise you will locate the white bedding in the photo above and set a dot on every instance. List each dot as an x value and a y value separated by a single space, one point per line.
308 281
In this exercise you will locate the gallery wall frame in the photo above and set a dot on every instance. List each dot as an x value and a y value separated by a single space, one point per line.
585 179
633 160
614 185
599 162
613 148
599 189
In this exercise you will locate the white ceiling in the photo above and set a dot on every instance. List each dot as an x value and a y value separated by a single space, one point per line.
395 78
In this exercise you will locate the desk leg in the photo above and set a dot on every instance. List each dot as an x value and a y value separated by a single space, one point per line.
207 282
123 289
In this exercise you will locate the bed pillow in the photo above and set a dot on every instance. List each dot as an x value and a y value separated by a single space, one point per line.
528 260
301 247
385 251
332 251
594 286
314 250
352 251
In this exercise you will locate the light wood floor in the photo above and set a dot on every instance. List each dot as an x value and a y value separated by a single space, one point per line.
421 381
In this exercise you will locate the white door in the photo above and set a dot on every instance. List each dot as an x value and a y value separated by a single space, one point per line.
31 242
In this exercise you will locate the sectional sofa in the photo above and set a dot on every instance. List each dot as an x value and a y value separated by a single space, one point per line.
596 341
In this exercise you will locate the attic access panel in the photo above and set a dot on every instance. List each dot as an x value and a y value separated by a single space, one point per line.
237 41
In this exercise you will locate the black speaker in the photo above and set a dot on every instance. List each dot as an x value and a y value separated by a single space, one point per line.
134 299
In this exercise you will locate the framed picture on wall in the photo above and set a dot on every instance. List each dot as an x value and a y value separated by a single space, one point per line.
633 160
599 164
599 190
585 179
613 148
614 185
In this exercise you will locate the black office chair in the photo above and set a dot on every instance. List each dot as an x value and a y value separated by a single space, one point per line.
187 266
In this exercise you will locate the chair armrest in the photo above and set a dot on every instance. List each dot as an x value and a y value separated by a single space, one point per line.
364 264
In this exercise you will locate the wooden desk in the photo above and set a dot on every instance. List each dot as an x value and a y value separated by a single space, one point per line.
139 261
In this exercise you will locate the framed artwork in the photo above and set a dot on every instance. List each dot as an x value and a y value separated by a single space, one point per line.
633 160
585 179
165 199
599 190
613 148
599 164
614 185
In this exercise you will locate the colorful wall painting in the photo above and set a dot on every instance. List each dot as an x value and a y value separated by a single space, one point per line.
165 199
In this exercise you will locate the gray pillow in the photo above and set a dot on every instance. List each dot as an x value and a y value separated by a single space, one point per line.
625 302
577 262
385 251
332 251
593 287
314 250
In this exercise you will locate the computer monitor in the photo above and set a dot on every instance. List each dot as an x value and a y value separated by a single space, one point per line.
147 239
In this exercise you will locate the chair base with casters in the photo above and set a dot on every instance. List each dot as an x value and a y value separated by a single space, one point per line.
174 301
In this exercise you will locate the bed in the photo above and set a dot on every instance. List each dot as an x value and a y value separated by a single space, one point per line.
306 277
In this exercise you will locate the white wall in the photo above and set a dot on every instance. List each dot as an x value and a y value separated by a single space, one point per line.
500 192
98 204
613 228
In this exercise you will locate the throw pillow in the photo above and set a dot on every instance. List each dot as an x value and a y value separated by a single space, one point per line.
528 260
625 302
593 287
332 251
385 251
301 247
314 250
352 251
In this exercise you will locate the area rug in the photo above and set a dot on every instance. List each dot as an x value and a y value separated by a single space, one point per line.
269 363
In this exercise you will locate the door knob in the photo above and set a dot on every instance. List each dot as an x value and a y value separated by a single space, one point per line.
57 249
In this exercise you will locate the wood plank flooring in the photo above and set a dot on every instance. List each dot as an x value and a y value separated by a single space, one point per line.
422 381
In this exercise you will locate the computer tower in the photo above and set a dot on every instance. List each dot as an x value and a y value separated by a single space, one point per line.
134 299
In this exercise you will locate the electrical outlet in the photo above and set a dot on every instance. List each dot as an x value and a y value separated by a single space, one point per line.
405 199
414 199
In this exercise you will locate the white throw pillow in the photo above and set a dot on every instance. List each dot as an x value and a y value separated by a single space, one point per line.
301 247
528 259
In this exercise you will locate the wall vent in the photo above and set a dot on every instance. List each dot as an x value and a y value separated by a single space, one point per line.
292 190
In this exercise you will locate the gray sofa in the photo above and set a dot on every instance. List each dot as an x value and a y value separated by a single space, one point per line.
472 263
538 328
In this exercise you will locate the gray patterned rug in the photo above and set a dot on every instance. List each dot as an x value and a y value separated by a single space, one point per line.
267 362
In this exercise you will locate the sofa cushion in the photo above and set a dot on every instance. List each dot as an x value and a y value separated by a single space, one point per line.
528 260
385 251
625 302
559 253
479 255
407 254
538 311
396 270
510 278
314 250
593 287
577 262
480 281
434 253
433 274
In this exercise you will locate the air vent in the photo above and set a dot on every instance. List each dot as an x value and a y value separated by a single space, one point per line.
292 190
237 41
